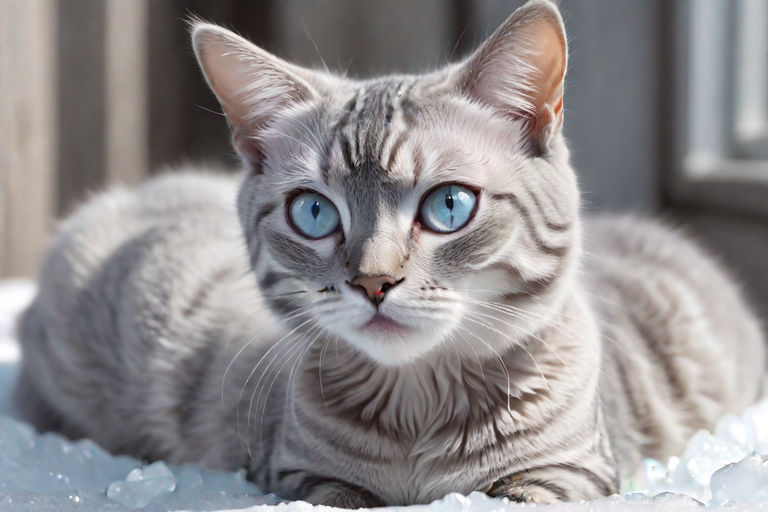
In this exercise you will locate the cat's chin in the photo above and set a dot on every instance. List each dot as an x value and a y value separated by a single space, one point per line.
390 343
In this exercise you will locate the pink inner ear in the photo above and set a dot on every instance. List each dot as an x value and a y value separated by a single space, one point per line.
519 70
249 150
252 85
549 62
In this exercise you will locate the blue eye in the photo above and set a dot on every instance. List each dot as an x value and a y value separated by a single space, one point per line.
313 215
448 208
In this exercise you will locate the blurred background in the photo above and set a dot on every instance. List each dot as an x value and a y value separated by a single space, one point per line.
666 102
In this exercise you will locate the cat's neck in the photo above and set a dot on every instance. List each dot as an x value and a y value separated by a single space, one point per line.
549 368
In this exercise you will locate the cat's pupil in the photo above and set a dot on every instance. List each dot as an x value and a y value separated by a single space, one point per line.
315 210
449 201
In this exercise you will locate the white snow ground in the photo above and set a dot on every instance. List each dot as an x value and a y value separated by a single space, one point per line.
720 470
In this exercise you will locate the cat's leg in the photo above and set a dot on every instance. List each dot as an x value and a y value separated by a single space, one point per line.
335 493
583 474
551 483
521 489
555 483
30 403
33 408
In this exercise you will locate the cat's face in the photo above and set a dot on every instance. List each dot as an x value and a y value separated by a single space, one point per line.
406 213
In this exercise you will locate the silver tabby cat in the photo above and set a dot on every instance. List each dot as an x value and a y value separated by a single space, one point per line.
399 300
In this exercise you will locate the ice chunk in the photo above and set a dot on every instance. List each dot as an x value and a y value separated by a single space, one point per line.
652 477
742 482
704 455
733 430
143 485
757 419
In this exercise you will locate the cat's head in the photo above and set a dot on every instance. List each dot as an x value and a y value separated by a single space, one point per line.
406 212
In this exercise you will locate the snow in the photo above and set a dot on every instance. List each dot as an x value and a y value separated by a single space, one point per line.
721 470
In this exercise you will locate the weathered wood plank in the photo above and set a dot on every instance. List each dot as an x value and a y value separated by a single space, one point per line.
81 100
126 90
27 132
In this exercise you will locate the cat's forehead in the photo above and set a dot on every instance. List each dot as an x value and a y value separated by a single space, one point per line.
384 138
399 132
372 124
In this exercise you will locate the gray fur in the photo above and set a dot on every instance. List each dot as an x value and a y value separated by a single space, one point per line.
540 363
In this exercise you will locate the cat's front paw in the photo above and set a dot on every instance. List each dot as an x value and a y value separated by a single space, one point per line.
519 490
342 495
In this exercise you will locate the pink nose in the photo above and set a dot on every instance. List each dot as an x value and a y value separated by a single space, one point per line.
375 287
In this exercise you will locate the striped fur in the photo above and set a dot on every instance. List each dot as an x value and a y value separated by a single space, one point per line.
544 353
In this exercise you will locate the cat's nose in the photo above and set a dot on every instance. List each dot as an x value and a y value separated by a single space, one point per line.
374 287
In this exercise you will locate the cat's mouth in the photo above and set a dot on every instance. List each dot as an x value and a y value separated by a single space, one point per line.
382 324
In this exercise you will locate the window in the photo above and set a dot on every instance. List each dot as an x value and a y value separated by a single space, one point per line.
720 113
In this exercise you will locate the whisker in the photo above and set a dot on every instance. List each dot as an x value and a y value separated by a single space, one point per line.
242 349
562 361
503 365
320 370
275 295
264 396
285 355
477 356
253 370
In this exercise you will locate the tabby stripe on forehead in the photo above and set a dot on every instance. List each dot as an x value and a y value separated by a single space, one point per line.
372 135
346 151
407 106
387 133
350 107
418 165
362 116
401 137
340 127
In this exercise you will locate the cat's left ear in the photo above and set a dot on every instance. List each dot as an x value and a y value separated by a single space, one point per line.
520 69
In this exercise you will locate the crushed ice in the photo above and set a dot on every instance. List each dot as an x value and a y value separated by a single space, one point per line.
722 470
142 485
716 468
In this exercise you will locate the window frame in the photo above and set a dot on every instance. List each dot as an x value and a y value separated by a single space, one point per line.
719 153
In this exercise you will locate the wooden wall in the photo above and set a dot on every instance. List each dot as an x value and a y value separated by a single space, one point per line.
27 132
94 92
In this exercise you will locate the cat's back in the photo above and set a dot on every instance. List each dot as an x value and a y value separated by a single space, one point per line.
137 285
181 205
681 345
118 230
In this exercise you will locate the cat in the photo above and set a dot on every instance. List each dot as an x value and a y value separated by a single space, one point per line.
399 299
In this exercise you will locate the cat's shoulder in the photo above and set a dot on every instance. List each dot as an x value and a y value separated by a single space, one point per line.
164 216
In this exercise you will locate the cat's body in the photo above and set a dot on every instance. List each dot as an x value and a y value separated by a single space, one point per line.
151 384
388 360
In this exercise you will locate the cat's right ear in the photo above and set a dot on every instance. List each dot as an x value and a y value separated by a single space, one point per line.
519 70
252 85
